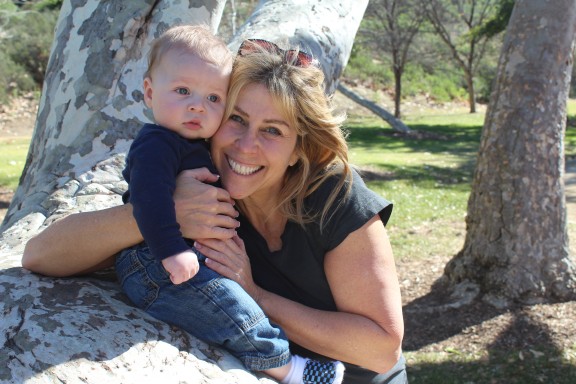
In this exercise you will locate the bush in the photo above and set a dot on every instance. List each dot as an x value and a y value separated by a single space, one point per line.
30 36
26 37
13 79
364 68
444 84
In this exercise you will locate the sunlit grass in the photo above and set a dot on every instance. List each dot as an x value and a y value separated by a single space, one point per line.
427 177
12 159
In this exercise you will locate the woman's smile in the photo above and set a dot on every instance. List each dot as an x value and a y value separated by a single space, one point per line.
242 169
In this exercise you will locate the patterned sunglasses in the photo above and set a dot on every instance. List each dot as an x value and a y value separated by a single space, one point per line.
291 56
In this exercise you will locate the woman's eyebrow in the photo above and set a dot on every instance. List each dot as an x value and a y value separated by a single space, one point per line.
268 121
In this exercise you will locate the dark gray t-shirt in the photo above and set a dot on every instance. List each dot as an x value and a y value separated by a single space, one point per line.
296 271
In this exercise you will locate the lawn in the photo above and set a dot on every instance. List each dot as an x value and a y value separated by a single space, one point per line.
427 178
12 158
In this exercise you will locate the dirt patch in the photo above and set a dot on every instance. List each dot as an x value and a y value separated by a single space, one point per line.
478 328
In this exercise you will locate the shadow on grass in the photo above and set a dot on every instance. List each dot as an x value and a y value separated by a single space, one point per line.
459 141
523 350
426 138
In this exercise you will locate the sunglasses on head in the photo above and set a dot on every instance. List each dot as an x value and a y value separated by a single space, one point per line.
291 56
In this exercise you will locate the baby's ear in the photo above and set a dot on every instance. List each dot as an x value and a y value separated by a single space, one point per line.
148 91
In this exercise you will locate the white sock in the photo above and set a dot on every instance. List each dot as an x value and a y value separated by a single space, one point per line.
296 370
296 374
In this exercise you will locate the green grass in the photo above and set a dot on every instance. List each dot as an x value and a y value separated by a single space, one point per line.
12 158
427 179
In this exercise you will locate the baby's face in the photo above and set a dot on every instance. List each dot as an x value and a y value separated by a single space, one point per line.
187 94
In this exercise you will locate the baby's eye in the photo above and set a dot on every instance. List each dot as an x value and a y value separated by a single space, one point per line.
213 98
182 91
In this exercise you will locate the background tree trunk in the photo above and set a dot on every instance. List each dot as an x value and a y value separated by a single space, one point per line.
516 245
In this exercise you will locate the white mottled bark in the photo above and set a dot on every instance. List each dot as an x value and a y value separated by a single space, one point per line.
325 28
84 330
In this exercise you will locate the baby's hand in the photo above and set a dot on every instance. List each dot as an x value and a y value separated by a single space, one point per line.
181 267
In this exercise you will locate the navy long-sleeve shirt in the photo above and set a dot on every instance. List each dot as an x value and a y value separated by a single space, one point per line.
155 159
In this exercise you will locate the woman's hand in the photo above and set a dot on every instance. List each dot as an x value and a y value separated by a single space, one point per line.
228 258
202 210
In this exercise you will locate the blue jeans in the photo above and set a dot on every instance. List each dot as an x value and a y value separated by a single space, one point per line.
209 306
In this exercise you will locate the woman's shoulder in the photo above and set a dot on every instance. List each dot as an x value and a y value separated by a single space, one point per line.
352 209
355 195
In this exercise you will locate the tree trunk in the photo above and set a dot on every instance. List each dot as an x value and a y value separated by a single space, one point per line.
397 92
516 245
471 91
92 103
324 28
90 110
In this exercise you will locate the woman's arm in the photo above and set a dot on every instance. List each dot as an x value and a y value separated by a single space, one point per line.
85 242
82 242
368 328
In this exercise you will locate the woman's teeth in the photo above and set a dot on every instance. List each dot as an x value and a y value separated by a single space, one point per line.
242 169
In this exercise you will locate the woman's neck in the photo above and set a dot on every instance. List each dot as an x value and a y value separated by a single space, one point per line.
267 220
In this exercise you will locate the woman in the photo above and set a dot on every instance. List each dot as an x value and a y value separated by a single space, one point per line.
314 255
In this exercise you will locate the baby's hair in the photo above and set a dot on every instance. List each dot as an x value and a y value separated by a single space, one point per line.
194 39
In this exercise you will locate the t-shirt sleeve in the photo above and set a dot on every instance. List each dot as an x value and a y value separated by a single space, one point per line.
361 205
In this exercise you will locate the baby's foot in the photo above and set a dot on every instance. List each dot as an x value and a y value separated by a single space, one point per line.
325 373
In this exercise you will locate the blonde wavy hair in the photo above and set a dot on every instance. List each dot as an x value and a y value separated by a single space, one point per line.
298 93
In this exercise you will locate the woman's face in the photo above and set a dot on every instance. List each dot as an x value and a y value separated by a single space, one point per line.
254 147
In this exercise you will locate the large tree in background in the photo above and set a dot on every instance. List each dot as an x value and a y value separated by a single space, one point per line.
516 245
455 22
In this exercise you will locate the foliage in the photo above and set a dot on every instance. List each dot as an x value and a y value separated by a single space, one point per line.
47 5
14 78
440 86
366 69
12 158
26 38
498 22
